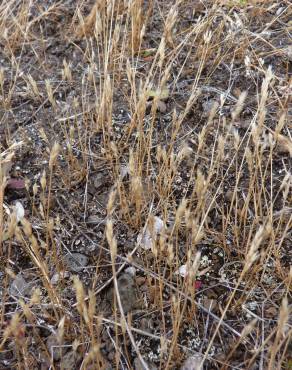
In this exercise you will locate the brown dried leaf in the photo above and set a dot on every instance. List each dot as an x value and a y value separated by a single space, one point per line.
284 144
271 312
161 106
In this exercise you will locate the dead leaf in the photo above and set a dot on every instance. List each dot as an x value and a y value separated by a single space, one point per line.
148 238
16 184
284 144
161 106
271 312
19 210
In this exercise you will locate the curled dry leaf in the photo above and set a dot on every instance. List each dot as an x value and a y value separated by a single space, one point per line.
284 144
147 238
161 106
19 210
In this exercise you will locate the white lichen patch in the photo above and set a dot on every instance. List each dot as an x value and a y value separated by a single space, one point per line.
205 261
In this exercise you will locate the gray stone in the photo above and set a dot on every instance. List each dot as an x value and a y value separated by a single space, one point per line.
19 287
70 361
75 261
192 363
128 293
56 351
138 365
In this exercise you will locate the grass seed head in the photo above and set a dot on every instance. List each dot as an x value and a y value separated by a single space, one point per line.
111 239
54 154
239 105
35 189
50 94
252 254
66 72
32 84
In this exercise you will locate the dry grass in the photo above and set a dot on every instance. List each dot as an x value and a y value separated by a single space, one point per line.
182 112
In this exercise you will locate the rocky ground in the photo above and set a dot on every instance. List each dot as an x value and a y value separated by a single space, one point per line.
173 126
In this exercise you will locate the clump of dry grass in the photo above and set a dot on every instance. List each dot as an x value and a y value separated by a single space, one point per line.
205 148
